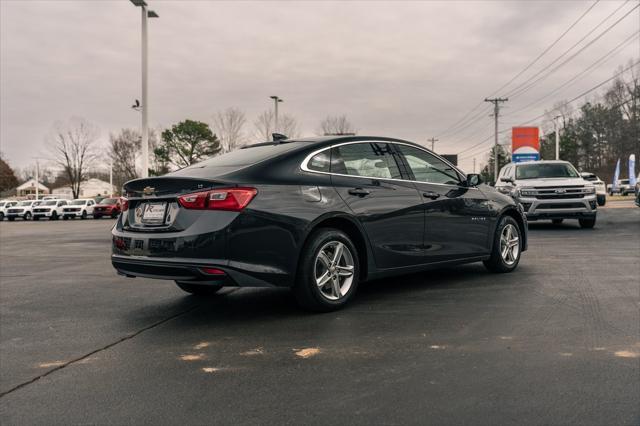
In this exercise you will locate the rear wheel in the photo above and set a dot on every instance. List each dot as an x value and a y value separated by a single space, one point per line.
329 271
84 214
557 221
587 223
54 216
199 289
507 245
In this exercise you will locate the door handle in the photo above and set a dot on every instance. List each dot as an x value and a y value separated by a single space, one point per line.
360 192
431 194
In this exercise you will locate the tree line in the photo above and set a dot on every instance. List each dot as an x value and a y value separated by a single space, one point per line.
75 150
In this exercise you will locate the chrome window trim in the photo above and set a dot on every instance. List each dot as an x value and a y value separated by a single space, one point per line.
304 165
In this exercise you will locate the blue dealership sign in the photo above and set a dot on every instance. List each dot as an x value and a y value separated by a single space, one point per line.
529 156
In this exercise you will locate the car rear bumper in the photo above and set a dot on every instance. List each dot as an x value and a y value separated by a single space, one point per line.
191 270
560 209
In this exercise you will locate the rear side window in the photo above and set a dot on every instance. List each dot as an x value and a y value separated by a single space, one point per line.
373 160
320 162
429 168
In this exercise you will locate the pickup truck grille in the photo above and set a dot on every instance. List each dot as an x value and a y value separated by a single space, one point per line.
560 192
15 210
72 210
559 196
40 210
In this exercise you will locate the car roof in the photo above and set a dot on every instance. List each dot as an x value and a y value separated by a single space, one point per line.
333 139
542 162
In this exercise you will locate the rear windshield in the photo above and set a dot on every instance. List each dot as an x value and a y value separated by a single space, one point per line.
548 170
240 158
108 201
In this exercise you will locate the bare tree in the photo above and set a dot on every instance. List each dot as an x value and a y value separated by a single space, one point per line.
264 126
228 125
336 125
72 146
124 150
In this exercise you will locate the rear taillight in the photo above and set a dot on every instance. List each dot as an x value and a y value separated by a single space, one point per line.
212 271
231 199
124 204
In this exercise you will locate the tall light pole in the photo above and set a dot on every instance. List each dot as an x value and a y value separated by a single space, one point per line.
276 101
146 14
496 113
557 131
433 143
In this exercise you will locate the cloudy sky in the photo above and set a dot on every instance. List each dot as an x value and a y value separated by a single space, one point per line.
401 69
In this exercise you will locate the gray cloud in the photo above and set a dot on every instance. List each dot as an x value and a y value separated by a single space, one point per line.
405 69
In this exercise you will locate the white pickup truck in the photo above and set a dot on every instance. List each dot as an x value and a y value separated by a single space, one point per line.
550 190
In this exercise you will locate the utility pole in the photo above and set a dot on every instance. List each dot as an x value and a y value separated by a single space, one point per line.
276 101
146 14
433 143
557 131
496 112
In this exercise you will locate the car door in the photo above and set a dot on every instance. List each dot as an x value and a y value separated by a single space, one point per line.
367 177
457 218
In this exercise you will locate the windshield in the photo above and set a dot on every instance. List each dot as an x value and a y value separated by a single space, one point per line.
545 170
109 201
78 202
49 203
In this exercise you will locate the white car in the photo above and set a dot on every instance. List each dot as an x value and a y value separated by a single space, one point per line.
53 209
24 210
601 187
4 205
81 208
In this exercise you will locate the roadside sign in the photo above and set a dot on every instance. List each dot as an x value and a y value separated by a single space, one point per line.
525 144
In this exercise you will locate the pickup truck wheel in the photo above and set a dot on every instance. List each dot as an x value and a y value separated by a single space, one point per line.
84 215
602 200
557 221
54 216
507 246
27 216
587 223
199 289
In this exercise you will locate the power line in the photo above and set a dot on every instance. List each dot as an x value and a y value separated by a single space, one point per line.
544 52
528 84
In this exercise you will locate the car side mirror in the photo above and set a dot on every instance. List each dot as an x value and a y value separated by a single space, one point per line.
506 179
473 179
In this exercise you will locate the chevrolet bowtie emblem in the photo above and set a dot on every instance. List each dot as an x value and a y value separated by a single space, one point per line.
148 190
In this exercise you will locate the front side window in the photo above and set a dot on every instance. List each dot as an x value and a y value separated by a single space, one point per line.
429 168
374 160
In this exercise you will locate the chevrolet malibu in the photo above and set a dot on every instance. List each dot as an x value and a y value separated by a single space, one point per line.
317 215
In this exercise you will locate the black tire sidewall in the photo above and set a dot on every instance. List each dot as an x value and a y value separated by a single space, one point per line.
496 260
307 290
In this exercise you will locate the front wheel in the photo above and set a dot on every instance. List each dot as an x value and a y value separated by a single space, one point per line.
602 200
27 216
199 289
84 215
54 216
507 246
329 271
587 223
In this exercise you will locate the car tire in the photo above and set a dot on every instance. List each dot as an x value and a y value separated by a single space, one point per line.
114 215
27 216
587 223
1 216
505 256
65 217
341 274
199 289
557 221
602 200
54 216
84 215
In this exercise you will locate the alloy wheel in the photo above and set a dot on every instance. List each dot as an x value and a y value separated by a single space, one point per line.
334 268
509 244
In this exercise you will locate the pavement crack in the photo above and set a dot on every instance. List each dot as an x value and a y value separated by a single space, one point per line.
103 348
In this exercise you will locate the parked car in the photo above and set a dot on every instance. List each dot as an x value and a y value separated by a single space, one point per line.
4 205
550 190
53 209
107 207
601 188
24 210
81 208
623 187
318 215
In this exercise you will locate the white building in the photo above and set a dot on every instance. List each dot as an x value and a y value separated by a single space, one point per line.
28 189
88 189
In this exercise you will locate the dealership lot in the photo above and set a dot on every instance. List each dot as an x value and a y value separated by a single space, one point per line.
556 342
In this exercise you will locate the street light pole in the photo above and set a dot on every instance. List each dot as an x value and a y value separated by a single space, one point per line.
276 101
146 14
557 132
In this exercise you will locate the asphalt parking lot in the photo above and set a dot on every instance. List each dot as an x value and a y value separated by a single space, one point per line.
556 342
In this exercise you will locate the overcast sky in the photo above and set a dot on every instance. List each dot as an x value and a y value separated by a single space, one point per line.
400 69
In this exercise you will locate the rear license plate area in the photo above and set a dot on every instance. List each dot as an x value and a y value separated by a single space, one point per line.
154 213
